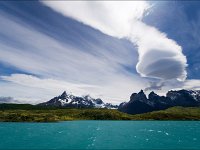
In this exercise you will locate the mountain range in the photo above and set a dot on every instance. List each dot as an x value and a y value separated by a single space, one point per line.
71 101
139 103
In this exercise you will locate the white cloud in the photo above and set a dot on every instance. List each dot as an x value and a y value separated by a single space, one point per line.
114 18
111 91
193 84
61 67
44 56
48 84
159 56
189 84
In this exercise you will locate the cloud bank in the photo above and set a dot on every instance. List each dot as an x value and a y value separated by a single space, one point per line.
51 66
34 86
95 63
159 56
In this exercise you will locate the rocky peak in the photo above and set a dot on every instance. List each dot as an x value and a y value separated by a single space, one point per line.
71 101
178 94
98 101
63 95
138 97
184 97
152 95
87 97
132 96
141 92
140 104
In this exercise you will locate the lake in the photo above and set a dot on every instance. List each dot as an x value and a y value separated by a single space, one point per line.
101 135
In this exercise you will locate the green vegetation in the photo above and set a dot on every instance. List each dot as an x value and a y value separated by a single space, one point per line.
173 113
30 113
61 115
5 106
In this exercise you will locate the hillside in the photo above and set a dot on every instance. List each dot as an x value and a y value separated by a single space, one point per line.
29 113
54 115
173 113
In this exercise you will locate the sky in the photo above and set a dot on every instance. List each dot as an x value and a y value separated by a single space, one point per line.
107 49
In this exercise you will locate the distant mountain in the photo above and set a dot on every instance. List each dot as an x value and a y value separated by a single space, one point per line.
71 101
139 103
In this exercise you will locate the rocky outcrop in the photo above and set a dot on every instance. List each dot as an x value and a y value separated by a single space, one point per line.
139 103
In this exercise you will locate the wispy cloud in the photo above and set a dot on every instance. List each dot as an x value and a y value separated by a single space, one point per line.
110 17
101 66
111 91
56 66
159 56
45 56
191 84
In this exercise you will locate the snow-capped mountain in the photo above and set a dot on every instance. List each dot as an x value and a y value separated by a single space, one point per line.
71 101
139 103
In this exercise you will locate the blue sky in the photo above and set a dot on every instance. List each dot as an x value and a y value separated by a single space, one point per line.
89 48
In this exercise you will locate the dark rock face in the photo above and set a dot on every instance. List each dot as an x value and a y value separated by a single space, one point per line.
184 97
135 107
71 101
159 102
139 97
98 101
139 103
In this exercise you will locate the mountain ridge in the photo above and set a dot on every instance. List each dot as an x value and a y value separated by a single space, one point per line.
139 103
71 101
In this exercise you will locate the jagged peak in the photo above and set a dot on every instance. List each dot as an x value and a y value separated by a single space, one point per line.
138 96
141 92
69 100
98 101
132 96
152 93
63 95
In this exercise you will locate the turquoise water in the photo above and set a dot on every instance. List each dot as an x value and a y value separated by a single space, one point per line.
101 135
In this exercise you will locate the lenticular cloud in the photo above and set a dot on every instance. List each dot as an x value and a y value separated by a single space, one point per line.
159 56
